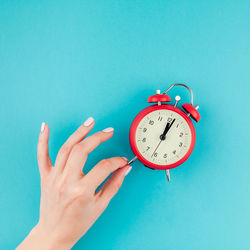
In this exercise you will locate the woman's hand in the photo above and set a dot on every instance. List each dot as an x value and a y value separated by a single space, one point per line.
69 201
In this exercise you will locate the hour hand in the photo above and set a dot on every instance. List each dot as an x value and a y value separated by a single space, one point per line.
163 135
168 126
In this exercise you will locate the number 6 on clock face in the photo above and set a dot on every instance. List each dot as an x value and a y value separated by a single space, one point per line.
162 137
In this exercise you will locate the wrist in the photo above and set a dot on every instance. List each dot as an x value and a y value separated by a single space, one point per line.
40 238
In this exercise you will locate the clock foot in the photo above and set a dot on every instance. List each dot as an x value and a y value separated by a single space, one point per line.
168 174
132 160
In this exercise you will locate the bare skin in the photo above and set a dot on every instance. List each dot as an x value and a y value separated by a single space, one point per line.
69 202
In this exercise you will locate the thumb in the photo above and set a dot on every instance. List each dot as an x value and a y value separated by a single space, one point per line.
112 185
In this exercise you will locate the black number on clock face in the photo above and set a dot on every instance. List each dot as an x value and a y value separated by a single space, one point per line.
181 134
180 144
155 154
165 156
144 139
144 130
160 118
151 122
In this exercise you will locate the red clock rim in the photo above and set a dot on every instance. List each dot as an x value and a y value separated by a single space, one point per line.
135 124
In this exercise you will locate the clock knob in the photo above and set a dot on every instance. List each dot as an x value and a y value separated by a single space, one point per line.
192 111
177 99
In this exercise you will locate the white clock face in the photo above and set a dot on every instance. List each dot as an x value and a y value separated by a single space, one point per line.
163 137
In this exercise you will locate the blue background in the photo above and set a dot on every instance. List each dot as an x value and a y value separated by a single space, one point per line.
63 61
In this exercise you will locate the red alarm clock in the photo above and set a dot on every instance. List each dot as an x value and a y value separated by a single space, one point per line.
162 136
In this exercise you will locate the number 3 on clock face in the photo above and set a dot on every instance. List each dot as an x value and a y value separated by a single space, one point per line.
162 137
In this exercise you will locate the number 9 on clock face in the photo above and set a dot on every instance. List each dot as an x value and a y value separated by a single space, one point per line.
162 137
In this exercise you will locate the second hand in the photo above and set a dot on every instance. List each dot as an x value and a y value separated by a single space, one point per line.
156 147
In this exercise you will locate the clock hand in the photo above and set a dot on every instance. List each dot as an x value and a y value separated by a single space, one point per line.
156 147
168 126
162 136
171 124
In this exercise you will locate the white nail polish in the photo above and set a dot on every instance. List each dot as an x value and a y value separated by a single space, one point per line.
42 127
88 121
108 130
128 170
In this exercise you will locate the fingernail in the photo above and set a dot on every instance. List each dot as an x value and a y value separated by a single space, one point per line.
108 130
88 121
128 170
125 158
42 127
